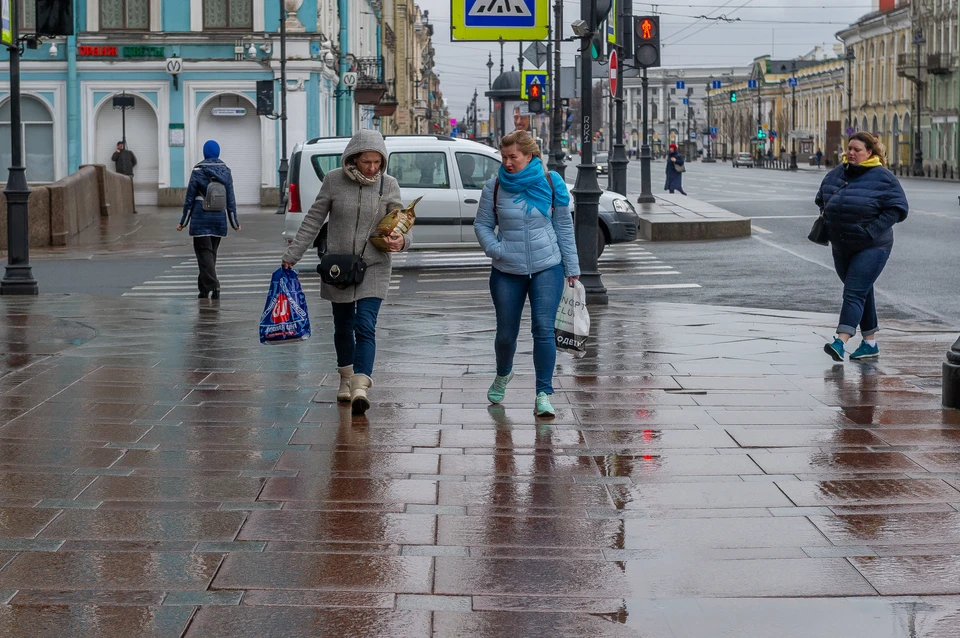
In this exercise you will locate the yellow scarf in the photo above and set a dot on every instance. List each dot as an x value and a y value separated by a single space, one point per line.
870 162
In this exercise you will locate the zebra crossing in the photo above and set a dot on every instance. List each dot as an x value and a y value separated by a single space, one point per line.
624 267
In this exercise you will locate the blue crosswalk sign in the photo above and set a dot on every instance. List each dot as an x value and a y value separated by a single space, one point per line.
500 13
681 84
716 84
751 84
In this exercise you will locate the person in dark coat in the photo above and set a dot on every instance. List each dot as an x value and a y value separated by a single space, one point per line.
208 227
860 201
674 177
124 159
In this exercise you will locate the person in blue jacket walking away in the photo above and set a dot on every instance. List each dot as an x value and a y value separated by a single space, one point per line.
860 201
208 224
524 225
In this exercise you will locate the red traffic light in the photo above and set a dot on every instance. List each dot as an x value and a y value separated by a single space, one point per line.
534 90
648 29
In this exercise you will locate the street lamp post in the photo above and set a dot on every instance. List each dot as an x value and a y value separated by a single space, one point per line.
793 119
284 166
490 99
18 277
918 41
618 156
556 119
850 58
646 195
709 139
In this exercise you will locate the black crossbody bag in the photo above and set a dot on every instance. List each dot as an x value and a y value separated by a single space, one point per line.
345 270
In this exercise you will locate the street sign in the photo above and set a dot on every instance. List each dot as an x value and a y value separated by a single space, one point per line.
716 84
526 79
536 54
693 135
174 66
349 79
612 35
773 133
713 130
850 130
751 84
612 75
229 111
7 25
454 132
495 20
792 81
713 135
681 84
453 122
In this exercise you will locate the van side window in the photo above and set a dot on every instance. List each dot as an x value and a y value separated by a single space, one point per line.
323 164
419 170
475 169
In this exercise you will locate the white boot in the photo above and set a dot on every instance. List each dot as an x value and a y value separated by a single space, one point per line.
359 384
343 392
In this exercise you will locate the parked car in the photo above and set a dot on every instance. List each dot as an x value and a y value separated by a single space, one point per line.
449 173
601 160
743 159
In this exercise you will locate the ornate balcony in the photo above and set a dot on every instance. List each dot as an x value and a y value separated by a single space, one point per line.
370 83
941 63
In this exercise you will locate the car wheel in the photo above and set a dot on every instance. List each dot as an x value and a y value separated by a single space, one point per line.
601 241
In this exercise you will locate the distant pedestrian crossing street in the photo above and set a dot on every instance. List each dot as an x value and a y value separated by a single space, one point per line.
624 267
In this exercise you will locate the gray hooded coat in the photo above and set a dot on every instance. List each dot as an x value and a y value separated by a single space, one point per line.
341 199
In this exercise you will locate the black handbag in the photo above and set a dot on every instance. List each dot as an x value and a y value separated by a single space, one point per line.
345 270
818 234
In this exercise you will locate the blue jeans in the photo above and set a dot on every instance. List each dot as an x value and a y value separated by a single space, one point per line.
355 332
509 294
858 271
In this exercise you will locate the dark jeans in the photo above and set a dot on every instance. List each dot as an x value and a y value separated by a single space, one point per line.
354 334
206 250
858 271
509 294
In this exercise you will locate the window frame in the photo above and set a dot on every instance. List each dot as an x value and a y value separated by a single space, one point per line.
124 14
229 27
446 169
456 157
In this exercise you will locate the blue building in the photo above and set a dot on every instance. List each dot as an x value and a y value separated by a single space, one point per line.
220 49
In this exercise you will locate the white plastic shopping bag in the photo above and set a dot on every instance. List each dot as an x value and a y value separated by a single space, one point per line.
572 325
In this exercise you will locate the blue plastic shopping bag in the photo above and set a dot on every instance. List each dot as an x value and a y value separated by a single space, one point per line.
285 315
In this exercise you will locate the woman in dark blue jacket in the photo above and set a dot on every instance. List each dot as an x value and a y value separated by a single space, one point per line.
674 177
860 201
208 227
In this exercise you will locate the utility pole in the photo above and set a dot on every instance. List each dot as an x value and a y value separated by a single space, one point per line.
284 164
793 120
709 139
490 99
586 190
556 118
918 41
759 114
850 58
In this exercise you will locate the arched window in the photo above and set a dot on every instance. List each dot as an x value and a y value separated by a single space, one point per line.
654 112
875 128
37 131
863 124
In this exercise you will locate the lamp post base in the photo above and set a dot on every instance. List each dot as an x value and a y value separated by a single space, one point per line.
793 161
918 165
646 196
951 377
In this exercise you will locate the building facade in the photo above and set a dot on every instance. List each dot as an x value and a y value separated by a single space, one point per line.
191 68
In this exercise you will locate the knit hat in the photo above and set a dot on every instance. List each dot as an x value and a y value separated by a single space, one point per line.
673 147
211 150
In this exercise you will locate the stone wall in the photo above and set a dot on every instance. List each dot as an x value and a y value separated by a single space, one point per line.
63 209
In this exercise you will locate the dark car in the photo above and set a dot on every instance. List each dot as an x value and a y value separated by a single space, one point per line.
601 159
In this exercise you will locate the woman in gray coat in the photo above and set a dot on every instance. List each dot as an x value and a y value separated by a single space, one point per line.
353 200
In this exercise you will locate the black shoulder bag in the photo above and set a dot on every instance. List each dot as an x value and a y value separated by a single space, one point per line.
818 233
343 271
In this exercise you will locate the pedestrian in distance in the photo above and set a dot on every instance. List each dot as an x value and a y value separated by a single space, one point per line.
353 199
819 157
524 225
209 205
860 201
124 159
674 176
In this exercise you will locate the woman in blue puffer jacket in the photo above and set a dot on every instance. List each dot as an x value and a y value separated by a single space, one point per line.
208 227
532 251
860 201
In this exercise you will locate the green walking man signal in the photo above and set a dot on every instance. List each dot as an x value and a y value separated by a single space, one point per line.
733 96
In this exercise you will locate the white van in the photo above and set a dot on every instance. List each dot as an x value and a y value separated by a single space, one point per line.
449 173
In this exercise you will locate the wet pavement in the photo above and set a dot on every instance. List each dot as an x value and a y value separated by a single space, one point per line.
710 473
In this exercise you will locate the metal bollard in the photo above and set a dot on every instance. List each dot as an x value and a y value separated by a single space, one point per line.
951 377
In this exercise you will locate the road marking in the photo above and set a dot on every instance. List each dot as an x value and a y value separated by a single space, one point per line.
653 286
760 230
785 217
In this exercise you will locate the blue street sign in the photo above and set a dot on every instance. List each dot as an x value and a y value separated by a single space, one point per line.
751 84
455 132
681 84
686 100
850 130
716 84
792 81
693 135
713 130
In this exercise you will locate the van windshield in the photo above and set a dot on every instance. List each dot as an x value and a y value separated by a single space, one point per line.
323 164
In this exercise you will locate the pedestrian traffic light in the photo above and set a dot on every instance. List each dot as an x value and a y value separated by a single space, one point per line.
598 39
535 99
265 97
761 134
598 47
733 96
647 41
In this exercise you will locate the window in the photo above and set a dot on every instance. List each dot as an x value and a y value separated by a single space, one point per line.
129 15
28 15
419 170
653 112
476 169
673 112
323 164
673 91
227 14
37 135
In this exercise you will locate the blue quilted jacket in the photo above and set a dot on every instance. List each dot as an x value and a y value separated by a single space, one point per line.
526 242
207 222
860 206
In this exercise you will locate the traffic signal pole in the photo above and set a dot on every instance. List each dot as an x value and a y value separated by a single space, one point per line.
646 194
618 159
586 190
646 53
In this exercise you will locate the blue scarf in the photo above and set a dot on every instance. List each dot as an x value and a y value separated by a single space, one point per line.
532 188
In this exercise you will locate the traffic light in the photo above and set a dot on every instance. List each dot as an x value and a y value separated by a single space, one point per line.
761 134
647 41
265 97
733 96
535 97
598 39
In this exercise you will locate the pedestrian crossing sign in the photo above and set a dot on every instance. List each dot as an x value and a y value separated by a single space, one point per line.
528 77
494 20
7 26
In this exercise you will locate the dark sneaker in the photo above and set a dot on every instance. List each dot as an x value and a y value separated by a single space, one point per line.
866 351
835 349
543 408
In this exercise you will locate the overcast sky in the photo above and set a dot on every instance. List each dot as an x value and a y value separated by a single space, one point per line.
783 28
